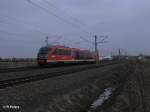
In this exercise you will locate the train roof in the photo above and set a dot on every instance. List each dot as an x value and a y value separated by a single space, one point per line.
50 46
62 46
66 47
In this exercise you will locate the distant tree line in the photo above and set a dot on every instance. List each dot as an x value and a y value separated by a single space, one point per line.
123 57
17 59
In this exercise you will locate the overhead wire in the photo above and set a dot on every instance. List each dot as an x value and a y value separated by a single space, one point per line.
64 12
49 12
11 33
34 27
103 39
64 20
25 23
85 40
58 17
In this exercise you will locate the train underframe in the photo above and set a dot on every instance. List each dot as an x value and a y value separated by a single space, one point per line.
43 62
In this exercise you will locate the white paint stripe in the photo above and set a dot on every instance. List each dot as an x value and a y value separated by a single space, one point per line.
68 60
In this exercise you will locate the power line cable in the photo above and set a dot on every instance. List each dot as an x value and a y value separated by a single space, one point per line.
22 35
25 23
55 15
74 19
85 40
67 13
34 27
49 12
11 33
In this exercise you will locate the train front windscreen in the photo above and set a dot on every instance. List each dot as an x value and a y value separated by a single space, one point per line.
43 51
43 54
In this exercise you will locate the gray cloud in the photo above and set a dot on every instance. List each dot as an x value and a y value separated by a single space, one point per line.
23 27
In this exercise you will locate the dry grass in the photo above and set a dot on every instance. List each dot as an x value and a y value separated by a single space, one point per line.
81 99
135 96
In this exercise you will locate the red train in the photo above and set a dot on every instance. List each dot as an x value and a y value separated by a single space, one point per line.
62 54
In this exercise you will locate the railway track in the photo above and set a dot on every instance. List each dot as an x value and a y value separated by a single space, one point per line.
42 76
9 70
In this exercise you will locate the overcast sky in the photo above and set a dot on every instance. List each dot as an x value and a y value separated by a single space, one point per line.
24 25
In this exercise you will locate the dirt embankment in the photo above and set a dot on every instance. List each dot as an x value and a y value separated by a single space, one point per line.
132 92
81 99
80 90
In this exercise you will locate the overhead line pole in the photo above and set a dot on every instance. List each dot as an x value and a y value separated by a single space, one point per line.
96 46
119 53
46 41
96 50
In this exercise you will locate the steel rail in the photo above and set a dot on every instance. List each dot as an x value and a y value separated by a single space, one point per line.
35 67
8 70
42 76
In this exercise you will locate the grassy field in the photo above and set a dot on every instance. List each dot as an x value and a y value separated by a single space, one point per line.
134 96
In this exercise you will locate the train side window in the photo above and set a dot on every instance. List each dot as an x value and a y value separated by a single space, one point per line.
57 52
77 55
66 52
62 52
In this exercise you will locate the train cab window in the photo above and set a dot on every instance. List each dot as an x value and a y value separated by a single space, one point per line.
44 50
